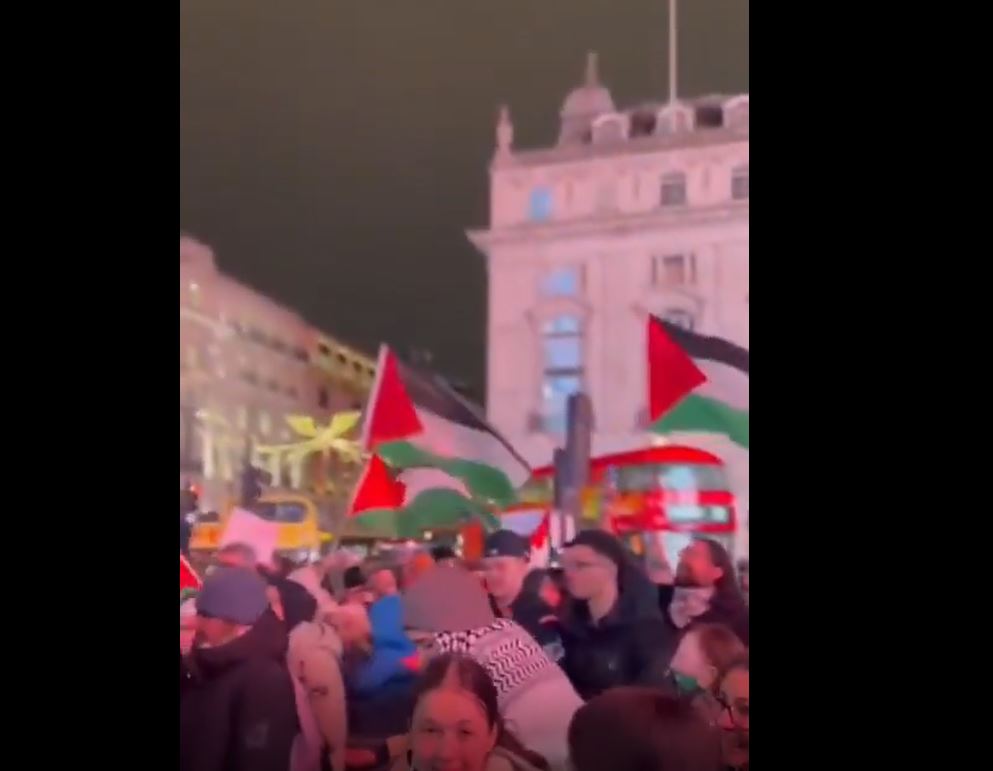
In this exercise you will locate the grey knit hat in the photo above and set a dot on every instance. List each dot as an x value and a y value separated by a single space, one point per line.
237 595
447 599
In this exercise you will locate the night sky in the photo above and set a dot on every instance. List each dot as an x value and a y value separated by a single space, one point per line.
334 151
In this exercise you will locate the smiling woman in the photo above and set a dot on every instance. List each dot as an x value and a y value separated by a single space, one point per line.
457 722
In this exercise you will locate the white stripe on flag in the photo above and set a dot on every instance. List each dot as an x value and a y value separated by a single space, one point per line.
454 440
724 384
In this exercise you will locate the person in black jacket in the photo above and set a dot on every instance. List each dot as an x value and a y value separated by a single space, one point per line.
705 591
612 630
506 564
237 709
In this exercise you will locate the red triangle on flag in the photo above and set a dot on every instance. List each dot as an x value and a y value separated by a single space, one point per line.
540 535
188 578
671 372
376 489
390 413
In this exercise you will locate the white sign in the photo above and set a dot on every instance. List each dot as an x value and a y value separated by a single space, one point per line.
247 528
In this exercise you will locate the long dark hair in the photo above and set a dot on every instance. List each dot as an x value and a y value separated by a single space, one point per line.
727 591
472 677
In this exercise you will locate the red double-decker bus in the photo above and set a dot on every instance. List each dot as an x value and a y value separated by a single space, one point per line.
673 490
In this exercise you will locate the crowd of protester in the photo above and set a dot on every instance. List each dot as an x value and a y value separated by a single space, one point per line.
607 664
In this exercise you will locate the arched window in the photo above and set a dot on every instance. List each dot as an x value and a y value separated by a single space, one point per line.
562 368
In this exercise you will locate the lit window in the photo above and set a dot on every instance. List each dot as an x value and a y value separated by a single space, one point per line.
241 418
562 348
680 318
265 423
739 184
674 190
540 206
563 282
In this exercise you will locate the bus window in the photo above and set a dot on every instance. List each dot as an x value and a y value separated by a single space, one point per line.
286 513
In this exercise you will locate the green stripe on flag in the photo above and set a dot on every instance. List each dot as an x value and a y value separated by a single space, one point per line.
434 509
485 483
709 416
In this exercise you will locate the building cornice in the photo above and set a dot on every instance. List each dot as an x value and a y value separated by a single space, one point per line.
646 145
610 225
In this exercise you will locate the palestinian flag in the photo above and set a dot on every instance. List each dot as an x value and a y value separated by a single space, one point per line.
696 383
188 578
421 427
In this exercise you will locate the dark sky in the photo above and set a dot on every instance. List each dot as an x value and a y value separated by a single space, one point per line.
334 151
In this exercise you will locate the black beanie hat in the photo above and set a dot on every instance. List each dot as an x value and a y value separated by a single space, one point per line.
603 543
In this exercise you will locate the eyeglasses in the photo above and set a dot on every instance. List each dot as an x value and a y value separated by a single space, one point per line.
725 707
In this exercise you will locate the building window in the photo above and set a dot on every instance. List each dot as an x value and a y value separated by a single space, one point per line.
241 419
674 190
680 318
323 398
562 348
540 205
563 282
324 349
674 270
739 183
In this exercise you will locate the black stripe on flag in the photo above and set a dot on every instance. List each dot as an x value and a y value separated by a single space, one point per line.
705 347
432 393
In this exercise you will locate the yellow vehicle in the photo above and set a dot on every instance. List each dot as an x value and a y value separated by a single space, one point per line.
300 537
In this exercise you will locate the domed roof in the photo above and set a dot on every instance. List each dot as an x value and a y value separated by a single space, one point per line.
584 104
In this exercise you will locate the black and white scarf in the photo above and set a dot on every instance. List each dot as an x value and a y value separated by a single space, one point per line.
511 657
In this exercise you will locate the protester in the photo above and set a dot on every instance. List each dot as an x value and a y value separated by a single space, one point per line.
733 717
314 661
444 555
446 610
311 578
379 669
705 591
418 565
612 630
506 563
641 729
237 555
704 652
237 709
382 582
356 591
457 723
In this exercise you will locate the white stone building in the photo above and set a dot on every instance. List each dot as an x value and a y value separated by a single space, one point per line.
633 210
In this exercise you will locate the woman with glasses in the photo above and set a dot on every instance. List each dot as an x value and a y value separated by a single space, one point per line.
732 717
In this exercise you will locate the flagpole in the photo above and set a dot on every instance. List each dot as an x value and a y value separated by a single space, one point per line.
673 54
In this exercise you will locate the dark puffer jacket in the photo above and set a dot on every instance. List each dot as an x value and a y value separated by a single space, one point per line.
627 647
237 710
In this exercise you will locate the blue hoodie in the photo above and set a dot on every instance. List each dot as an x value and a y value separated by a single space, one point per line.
390 646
